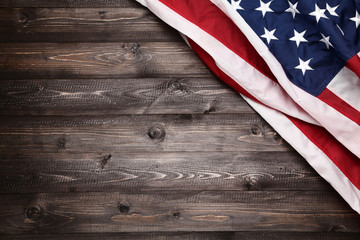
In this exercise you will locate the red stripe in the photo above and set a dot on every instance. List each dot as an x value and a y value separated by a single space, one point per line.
340 105
354 65
345 160
212 20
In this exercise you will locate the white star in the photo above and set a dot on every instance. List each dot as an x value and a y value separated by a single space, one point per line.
326 40
269 35
332 10
298 37
356 19
292 9
318 13
304 65
264 8
236 4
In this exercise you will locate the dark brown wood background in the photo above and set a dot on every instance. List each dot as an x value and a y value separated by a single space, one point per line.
112 128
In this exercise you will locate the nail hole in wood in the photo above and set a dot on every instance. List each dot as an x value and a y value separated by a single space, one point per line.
124 208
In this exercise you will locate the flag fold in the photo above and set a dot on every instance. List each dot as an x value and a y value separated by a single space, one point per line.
296 63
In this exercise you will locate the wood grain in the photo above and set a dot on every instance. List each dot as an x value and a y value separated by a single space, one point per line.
112 128
176 171
137 133
193 236
99 60
184 211
119 96
68 3
83 24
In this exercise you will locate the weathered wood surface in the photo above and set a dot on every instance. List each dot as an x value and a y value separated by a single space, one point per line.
149 133
112 128
68 3
141 172
258 235
119 96
175 211
99 60
83 24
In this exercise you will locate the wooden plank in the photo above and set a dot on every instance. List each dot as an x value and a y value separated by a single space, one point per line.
83 25
193 236
120 96
69 3
180 211
136 172
99 60
138 133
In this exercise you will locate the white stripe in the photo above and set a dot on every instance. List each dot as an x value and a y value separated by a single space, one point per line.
253 81
346 85
314 156
343 128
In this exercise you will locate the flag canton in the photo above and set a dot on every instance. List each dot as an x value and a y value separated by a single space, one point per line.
312 40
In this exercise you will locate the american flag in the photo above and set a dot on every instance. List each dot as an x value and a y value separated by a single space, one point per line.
296 63
307 45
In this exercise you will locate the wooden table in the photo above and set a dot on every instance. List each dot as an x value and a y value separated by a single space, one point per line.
112 128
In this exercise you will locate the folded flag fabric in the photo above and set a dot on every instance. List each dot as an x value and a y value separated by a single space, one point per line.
326 155
312 48
216 33
230 56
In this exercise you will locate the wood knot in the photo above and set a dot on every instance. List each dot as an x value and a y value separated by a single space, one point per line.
124 208
34 214
132 48
177 86
102 13
211 109
156 133
131 51
23 18
105 160
176 214
256 130
338 228
61 142
252 184
277 137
